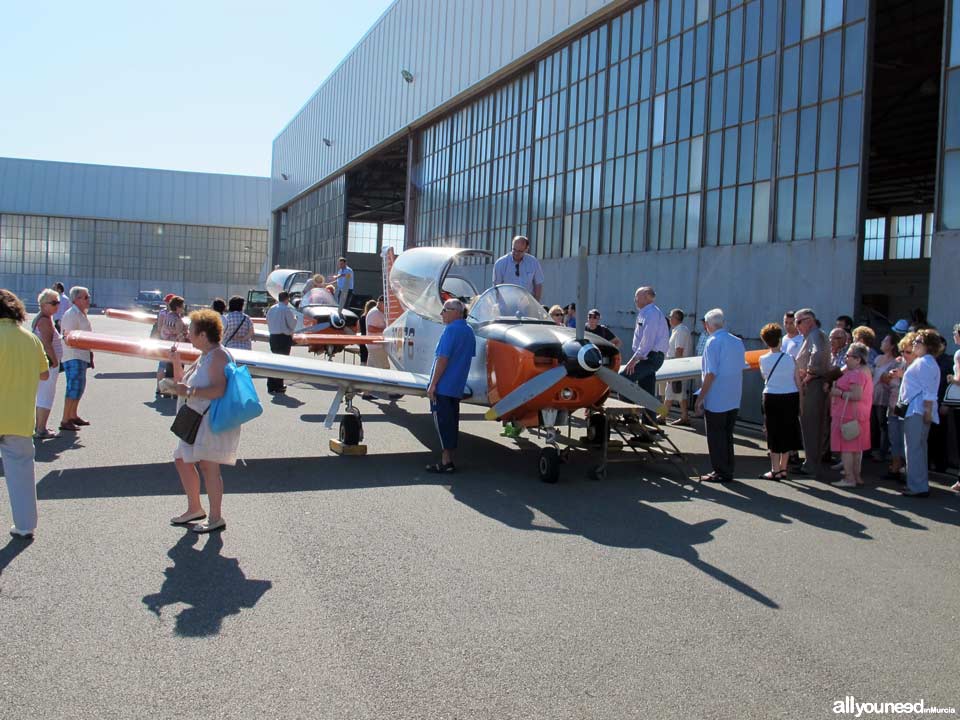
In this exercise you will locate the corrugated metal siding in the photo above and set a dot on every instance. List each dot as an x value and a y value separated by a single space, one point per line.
448 46
36 187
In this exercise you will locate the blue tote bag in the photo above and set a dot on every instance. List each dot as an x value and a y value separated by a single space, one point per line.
239 403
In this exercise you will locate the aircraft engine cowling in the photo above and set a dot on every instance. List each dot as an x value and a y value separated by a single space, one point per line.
581 358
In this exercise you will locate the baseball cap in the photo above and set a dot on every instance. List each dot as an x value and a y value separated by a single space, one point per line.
168 297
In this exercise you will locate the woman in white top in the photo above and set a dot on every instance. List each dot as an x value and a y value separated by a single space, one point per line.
199 385
885 362
781 403
44 328
918 392
955 380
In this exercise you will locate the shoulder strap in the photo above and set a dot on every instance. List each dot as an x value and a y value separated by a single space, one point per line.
774 368
235 330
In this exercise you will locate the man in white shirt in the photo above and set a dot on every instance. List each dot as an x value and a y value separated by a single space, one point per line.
281 322
792 339
679 345
519 267
75 362
650 341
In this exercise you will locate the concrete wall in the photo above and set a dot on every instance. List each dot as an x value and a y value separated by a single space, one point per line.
943 307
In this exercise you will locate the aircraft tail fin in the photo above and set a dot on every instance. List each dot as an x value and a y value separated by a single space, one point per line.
391 305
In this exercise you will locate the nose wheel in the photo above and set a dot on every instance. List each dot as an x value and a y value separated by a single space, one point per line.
548 465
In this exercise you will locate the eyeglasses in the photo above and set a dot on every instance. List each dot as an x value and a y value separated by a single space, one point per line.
448 309
918 341
852 357
83 297
559 314
518 269
52 302
594 315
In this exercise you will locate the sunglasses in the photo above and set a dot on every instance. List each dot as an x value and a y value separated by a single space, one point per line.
560 314
518 269
52 302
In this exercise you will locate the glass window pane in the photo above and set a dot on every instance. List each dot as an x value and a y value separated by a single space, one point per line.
719 43
768 68
955 34
827 151
658 112
748 104
811 18
730 156
699 107
716 101
761 213
693 221
856 10
696 163
714 155
661 84
656 172
807 147
653 227
728 206
831 66
848 201
684 114
787 162
764 149
686 58
791 22
832 14
810 73
679 237
703 10
747 135
826 194
853 59
751 31
711 218
670 117
785 210
669 169
770 26
790 83
850 134
950 191
673 60
735 31
732 114
744 214
683 166
952 106
703 44
803 209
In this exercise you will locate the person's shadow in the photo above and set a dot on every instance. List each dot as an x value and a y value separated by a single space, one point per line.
12 549
212 585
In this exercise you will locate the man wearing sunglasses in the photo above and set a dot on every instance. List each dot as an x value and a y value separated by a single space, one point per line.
75 362
519 267
63 307
813 365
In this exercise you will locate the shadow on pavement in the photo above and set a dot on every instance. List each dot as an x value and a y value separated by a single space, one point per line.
126 375
212 585
14 547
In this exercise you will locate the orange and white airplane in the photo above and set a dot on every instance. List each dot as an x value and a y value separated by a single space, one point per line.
527 369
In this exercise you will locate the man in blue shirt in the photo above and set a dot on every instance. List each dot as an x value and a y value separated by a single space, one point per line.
455 351
722 370
650 341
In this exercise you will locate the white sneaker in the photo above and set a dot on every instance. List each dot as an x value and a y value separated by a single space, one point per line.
843 483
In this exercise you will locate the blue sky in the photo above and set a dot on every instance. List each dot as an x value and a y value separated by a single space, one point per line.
203 85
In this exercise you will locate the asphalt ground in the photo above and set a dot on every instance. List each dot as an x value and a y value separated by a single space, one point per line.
363 587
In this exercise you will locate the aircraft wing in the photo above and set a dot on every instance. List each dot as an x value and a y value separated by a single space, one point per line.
689 367
339 376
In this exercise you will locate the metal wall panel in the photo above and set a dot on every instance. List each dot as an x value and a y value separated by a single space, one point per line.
450 47
36 187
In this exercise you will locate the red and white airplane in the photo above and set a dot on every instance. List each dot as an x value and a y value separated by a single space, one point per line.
527 369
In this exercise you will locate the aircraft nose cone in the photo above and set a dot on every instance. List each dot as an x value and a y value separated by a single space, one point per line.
589 357
336 320
582 358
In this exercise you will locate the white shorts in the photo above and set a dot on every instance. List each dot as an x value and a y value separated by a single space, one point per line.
47 389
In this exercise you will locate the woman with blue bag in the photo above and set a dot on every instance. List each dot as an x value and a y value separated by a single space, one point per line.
201 385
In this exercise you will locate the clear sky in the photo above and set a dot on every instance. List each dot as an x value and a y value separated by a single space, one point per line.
202 85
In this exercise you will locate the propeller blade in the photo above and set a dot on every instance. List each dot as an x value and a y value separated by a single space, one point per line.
628 390
527 392
582 288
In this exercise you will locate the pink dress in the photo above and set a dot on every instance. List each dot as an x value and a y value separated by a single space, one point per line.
855 409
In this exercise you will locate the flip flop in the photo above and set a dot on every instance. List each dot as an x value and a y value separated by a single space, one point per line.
69 427
208 527
187 519
443 469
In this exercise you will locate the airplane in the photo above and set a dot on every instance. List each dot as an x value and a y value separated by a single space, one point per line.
526 369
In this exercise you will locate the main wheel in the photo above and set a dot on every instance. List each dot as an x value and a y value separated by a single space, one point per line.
351 429
597 428
549 465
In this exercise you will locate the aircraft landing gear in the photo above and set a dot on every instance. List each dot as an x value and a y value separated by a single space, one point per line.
351 432
548 465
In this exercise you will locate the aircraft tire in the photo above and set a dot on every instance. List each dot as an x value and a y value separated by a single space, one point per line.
597 428
548 465
351 430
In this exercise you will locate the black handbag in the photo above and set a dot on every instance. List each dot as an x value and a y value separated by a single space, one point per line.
187 423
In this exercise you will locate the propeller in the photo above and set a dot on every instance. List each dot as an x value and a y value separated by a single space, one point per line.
629 390
528 391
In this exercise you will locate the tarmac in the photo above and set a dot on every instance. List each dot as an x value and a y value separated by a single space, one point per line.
364 587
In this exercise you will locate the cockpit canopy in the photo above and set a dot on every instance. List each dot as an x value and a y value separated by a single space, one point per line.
507 302
423 278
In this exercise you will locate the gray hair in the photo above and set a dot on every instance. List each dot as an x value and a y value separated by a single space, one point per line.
714 318
860 351
454 303
804 311
647 290
47 295
77 290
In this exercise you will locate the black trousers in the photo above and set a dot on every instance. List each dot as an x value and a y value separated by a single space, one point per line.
720 440
279 345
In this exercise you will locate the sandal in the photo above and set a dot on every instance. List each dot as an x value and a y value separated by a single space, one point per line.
444 469
769 475
781 475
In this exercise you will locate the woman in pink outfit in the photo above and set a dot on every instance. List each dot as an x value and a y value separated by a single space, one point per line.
850 399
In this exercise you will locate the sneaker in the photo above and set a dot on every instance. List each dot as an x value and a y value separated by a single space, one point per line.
22 534
511 431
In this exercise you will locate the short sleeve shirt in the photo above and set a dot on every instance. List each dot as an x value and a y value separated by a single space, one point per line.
21 361
345 281
376 319
527 273
680 337
458 344
604 332
723 356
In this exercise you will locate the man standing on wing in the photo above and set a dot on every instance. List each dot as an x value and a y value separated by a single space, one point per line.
519 267
455 350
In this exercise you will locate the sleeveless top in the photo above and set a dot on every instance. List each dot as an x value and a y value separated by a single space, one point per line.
57 337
